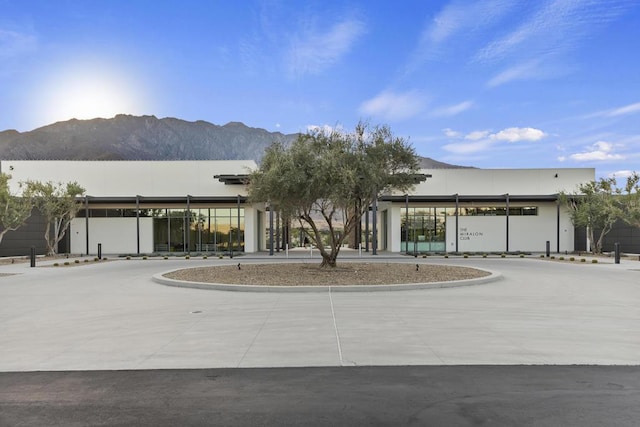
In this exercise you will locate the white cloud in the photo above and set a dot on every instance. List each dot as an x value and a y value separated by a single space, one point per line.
315 51
555 27
468 147
324 128
519 72
456 19
483 140
519 134
452 110
621 174
14 43
477 134
600 151
450 133
394 106
627 109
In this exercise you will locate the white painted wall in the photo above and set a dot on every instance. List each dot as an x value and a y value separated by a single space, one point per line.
250 229
117 235
394 232
526 233
131 178
477 234
494 182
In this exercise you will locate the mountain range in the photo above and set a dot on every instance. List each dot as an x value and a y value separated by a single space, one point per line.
126 137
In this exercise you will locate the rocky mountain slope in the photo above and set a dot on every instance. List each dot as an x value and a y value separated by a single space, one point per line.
126 137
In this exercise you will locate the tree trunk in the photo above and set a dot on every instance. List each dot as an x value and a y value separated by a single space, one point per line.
328 260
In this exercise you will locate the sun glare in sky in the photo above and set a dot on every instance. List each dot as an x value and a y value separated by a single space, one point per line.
87 91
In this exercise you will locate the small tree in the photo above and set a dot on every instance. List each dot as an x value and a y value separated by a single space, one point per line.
58 204
333 177
594 207
14 209
631 200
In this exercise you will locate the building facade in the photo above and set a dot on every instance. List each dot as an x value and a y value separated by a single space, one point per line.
143 207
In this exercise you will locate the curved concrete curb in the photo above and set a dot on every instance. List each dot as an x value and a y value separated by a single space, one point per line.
159 278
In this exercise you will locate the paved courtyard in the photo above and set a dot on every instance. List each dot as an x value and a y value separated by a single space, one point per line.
112 316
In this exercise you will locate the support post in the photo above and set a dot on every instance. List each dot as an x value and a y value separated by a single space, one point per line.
33 256
406 223
239 239
558 224
187 228
271 230
99 250
138 225
457 214
374 219
366 231
86 221
548 249
616 247
507 222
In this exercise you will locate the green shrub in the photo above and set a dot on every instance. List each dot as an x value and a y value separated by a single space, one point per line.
166 257
521 255
187 257
502 255
86 260
145 257
561 258
446 256
594 261
572 259
55 264
552 257
583 260
67 263
128 257
77 261
204 257
484 255
541 255
96 259
466 256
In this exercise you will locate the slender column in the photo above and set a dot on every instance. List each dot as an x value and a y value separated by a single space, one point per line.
374 218
86 221
239 238
138 224
270 230
406 223
457 215
558 224
277 231
507 222
187 227
366 231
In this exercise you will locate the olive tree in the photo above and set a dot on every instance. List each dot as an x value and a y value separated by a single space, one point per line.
14 209
330 178
630 200
594 206
58 205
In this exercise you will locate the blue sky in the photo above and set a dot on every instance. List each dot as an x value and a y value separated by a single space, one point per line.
486 83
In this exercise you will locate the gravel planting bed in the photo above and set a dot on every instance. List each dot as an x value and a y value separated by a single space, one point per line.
291 274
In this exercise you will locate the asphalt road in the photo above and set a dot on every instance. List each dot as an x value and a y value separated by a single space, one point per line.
335 396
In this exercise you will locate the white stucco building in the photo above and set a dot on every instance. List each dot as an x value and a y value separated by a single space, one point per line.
201 206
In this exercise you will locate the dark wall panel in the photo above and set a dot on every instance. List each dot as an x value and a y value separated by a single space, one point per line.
19 242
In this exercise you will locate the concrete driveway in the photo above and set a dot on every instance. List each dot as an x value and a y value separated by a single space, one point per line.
112 316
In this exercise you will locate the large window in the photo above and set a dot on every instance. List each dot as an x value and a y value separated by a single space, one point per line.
207 230
497 211
425 229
